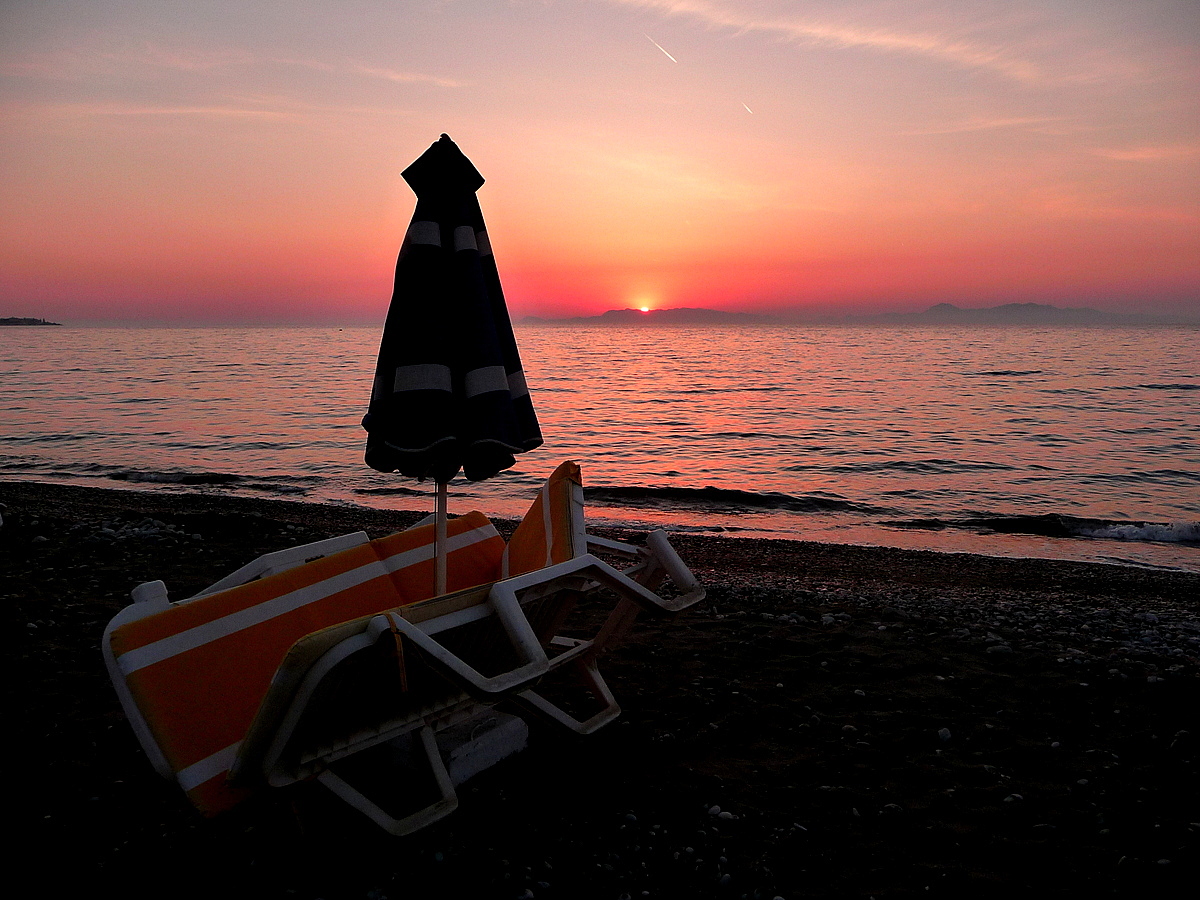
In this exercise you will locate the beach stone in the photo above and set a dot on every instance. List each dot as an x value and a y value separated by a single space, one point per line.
944 734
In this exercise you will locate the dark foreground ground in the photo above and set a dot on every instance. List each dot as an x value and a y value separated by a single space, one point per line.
832 722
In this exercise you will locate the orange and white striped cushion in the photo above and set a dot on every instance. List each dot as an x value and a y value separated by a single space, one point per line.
473 557
552 530
199 670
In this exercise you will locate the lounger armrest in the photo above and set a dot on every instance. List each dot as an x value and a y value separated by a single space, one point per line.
525 643
597 570
620 548
690 589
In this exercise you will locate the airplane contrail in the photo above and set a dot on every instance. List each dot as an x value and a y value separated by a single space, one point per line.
748 109
660 47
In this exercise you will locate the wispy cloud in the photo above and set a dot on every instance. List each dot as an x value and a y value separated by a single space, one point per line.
404 77
154 60
245 107
955 51
1031 123
366 70
1067 206
1150 154
208 111
143 60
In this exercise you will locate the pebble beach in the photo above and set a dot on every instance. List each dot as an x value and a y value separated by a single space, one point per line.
832 721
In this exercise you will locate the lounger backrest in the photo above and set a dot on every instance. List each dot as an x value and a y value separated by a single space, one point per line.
199 670
474 557
553 528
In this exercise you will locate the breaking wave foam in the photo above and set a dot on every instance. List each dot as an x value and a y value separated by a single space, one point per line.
1063 526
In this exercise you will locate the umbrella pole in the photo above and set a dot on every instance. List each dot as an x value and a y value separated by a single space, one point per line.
440 539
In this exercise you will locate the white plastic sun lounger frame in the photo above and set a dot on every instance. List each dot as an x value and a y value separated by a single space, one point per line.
634 586
504 599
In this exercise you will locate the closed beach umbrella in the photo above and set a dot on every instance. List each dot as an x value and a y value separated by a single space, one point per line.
449 393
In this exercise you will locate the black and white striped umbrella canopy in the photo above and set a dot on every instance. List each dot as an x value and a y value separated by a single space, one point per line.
449 393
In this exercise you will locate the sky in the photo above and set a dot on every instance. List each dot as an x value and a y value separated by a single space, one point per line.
226 162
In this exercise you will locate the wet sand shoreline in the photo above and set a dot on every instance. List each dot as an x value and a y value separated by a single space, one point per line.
874 722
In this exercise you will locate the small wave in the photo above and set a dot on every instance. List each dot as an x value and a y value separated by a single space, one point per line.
51 438
386 491
725 498
744 389
1169 387
284 484
1061 526
176 477
1146 476
1002 373
755 435
23 464
922 466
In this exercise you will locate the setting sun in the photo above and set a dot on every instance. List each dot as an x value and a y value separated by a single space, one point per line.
644 308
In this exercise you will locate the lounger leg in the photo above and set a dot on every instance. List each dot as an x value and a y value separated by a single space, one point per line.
594 682
615 627
416 821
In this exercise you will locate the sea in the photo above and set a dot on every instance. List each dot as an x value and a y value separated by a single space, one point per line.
1064 443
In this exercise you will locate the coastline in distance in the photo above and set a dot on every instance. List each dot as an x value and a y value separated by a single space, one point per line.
1016 314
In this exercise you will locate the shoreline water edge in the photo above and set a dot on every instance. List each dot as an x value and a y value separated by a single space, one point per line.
738 515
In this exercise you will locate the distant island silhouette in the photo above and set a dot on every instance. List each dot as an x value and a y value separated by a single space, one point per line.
1014 314
17 320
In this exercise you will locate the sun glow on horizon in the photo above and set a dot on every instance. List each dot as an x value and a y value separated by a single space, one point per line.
225 165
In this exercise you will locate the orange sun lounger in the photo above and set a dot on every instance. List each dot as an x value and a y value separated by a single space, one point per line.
248 683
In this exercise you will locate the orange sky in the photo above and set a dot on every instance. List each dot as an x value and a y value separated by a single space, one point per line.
225 162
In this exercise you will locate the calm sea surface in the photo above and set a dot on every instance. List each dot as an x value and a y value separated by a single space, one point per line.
1068 443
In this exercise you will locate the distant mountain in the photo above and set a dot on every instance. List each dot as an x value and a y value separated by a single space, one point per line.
680 315
1010 314
16 320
